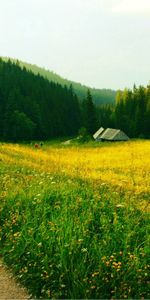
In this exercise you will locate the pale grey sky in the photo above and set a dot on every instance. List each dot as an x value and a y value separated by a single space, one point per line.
100 43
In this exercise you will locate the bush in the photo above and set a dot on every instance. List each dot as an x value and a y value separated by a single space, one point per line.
83 135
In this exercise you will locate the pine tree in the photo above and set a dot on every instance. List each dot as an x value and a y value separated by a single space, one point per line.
90 121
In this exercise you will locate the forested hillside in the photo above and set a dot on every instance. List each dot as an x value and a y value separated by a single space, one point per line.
100 96
31 107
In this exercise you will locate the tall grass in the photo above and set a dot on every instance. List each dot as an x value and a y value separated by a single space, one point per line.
69 235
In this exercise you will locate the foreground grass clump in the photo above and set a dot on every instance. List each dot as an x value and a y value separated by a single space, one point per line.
71 236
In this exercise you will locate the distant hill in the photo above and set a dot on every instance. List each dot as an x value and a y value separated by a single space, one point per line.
100 96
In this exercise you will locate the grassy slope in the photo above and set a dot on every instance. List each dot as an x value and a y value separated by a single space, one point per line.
100 96
70 230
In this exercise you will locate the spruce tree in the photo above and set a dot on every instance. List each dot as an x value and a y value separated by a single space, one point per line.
89 114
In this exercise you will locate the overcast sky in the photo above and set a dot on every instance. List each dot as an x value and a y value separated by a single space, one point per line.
101 43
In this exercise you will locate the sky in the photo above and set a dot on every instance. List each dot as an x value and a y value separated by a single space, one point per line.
100 43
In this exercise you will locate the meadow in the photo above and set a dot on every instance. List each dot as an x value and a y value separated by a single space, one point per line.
74 218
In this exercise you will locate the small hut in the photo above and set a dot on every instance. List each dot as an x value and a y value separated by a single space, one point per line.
110 134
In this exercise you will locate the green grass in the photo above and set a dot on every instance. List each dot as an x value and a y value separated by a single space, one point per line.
72 239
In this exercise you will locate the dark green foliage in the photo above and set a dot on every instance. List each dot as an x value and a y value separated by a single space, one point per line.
31 107
106 115
89 116
83 135
132 111
130 114
22 127
100 96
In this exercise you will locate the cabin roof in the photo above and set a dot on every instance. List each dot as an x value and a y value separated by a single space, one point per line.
110 134
98 132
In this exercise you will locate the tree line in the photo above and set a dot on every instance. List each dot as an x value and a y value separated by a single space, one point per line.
100 96
131 112
33 108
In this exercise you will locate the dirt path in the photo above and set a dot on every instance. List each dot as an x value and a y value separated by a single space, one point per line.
9 288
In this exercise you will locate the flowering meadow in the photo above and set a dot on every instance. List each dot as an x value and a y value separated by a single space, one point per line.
74 218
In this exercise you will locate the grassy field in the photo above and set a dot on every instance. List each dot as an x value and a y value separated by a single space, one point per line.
74 219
